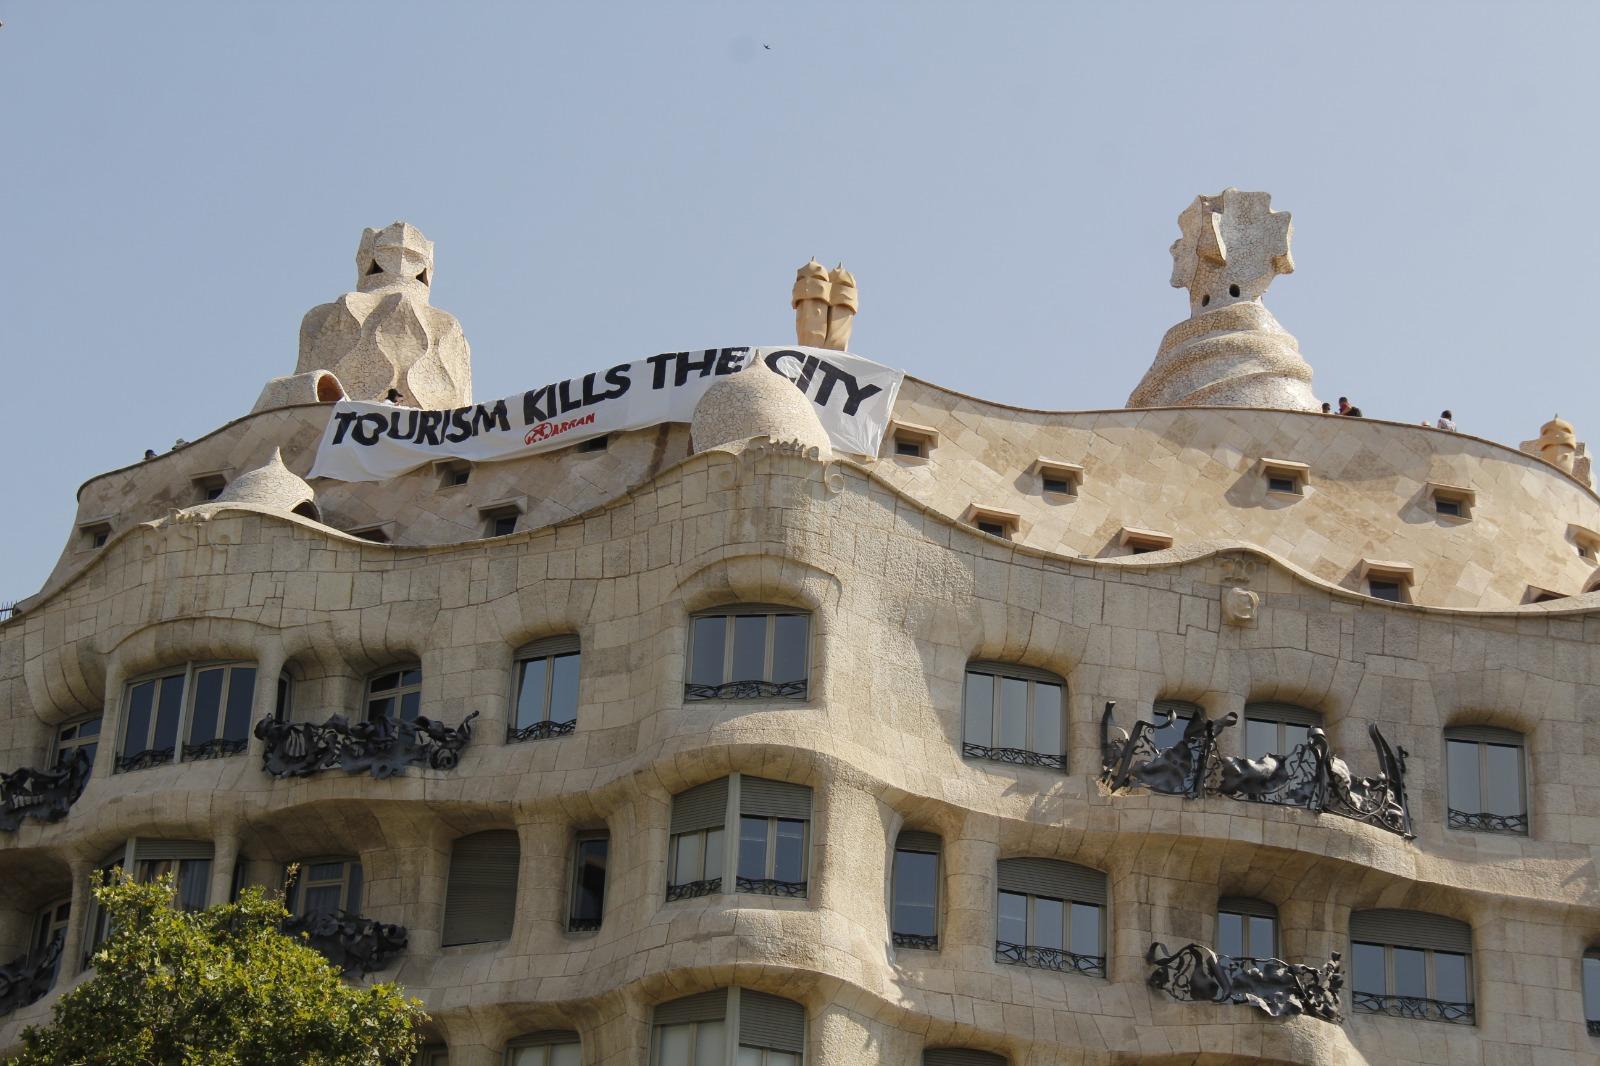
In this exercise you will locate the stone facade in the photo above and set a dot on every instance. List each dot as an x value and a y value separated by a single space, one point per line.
1257 600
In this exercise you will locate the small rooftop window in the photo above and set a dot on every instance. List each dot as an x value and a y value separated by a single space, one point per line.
453 472
500 518
1587 541
1387 581
1142 541
1535 594
1285 476
1058 478
594 444
93 535
1451 501
378 534
910 441
994 521
208 487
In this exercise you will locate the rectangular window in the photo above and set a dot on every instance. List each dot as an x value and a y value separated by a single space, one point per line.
396 694
1591 991
1014 715
219 711
1485 783
915 917
1050 915
547 689
1276 728
589 883
749 653
326 886
77 736
1424 971
773 836
567 1053
151 713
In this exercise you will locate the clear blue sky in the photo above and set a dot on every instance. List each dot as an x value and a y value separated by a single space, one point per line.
182 181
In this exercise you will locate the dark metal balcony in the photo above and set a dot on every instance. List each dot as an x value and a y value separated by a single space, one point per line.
747 690
1049 959
1310 776
694 889
142 760
918 941
1432 1010
583 925
1014 756
45 795
349 941
767 886
25 980
383 746
541 731
215 748
1279 988
1487 822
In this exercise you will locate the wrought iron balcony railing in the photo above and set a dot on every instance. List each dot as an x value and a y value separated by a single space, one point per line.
1487 822
25 980
1432 1010
919 941
1014 756
44 795
694 889
142 760
582 925
382 746
1594 1026
747 690
541 731
1279 988
215 748
1310 776
767 886
1049 959
349 941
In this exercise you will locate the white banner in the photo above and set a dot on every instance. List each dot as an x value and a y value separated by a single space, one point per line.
375 442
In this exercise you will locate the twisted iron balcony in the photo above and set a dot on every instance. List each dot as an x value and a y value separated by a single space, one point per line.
919 941
1487 822
747 690
583 925
1433 1010
347 940
1049 959
215 748
26 980
1198 974
1014 756
382 746
694 889
142 760
768 886
44 795
541 731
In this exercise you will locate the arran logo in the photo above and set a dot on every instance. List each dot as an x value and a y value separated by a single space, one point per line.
546 430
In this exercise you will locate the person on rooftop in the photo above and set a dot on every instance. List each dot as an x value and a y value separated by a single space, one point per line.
392 398
1446 422
1327 408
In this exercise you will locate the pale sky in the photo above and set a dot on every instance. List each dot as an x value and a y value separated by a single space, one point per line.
183 181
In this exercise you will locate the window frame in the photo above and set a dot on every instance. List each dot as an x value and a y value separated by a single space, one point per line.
61 745
918 846
298 891
1429 972
1029 755
1483 737
1096 962
1282 715
764 687
216 746
730 1014
1244 909
125 762
549 1040
1586 981
546 650
770 848
1427 933
576 924
397 694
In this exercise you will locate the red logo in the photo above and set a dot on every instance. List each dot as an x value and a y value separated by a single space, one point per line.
546 430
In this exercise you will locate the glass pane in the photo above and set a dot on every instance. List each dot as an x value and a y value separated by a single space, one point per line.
564 689
384 682
1410 972
90 728
789 647
1450 977
710 1044
1230 934
353 904
382 707
280 707
1263 938
530 692
591 888
1047 718
1367 969
1461 759
686 863
241 698
1294 736
325 871
1086 939
916 893
207 701
1591 988
1013 923
1013 731
141 698
713 866
1169 735
1503 776
979 712
749 1056
566 1055
412 676
753 847
1049 921
528 1056
410 704
782 1058
169 708
706 666
749 648
194 883
673 1043
322 898
789 863
1260 738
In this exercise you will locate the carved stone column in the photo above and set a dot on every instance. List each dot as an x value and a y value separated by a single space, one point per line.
72 954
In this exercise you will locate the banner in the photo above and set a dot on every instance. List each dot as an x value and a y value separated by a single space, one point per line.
374 441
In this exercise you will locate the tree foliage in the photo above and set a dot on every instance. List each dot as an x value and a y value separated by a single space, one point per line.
219 987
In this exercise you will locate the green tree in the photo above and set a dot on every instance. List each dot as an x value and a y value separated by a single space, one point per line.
219 987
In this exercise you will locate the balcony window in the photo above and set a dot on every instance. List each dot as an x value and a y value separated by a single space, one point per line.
695 852
774 838
481 896
219 711
1014 714
749 653
1183 712
1591 990
1485 786
555 1048
589 882
50 926
83 734
1247 929
1276 728
728 1027
547 689
151 713
325 886
1408 964
188 862
395 694
914 891
1051 916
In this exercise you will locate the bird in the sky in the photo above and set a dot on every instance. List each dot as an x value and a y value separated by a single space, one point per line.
768 47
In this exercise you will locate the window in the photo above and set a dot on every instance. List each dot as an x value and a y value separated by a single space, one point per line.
995 522
1057 478
83 734
589 883
914 890
1183 712
1485 783
480 902
500 519
93 535
961 1056
1408 964
219 711
1286 477
1014 714
695 854
151 710
774 838
909 441
395 694
325 886
1143 541
593 444
49 927
1049 916
1276 728
728 1027
1452 501
1591 990
1247 929
453 473
188 862
283 703
433 1055
208 487
552 1048
1387 581
1535 594
749 653
547 689
1586 541
378 534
